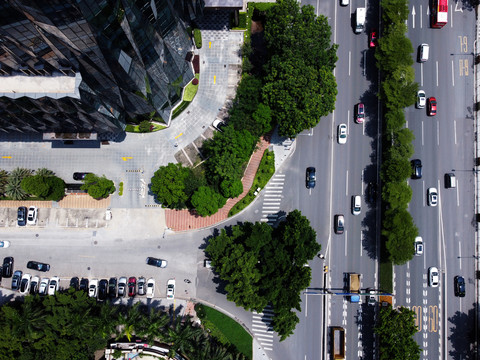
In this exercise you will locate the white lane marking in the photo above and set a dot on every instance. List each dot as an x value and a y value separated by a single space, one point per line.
361 181
455 130
346 184
361 242
453 76
451 16
349 61
421 19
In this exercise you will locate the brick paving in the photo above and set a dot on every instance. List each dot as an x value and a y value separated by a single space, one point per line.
181 220
70 201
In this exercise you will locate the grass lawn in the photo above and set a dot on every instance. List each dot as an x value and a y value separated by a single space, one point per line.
191 90
225 329
134 128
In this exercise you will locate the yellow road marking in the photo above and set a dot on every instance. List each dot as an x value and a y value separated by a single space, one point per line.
214 79
125 158
6 157
176 137
209 44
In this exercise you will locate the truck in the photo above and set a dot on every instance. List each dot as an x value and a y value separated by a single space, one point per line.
360 20
338 342
354 287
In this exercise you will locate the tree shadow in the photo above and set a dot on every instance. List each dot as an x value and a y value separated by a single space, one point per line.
462 335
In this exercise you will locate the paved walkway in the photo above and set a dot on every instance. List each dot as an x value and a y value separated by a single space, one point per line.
181 220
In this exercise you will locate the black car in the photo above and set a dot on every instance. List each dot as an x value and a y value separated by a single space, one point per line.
22 216
156 262
80 175
74 282
102 289
8 267
416 169
83 284
459 286
310 178
371 192
112 287
17 277
35 265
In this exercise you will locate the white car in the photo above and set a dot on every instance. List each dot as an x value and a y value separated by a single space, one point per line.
53 285
92 288
141 286
171 289
418 246
342 134
34 285
432 196
433 276
421 99
150 288
32 215
356 204
42 289
371 300
4 244
25 283
122 285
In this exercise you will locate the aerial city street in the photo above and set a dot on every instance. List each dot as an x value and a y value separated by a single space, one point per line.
126 246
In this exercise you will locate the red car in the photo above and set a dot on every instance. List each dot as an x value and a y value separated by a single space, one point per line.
432 106
360 113
132 286
372 39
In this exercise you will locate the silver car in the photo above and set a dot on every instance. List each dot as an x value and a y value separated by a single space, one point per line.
141 286
122 285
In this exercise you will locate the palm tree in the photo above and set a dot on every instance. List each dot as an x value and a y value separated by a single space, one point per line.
29 323
20 173
3 181
183 336
13 189
130 321
44 172
153 326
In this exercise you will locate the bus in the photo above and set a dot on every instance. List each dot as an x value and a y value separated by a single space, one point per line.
439 14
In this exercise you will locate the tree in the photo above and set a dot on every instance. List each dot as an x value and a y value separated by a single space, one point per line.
284 323
45 187
395 330
144 126
395 169
394 11
44 172
168 184
98 187
13 188
206 201
394 48
231 188
400 232
3 181
263 119
397 194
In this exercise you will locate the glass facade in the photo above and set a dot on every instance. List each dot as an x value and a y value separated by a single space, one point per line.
129 57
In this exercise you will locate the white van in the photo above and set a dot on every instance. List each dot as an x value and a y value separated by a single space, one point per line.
356 204
423 52
450 181
344 2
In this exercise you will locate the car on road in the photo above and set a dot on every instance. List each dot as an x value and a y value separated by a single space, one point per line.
432 196
371 192
34 285
83 284
418 246
53 285
356 204
122 284
219 125
74 282
112 287
157 262
359 113
342 134
132 286
92 288
141 286
421 99
459 286
432 106
4 244
22 216
7 267
80 175
371 300
433 276
35 265
25 283
102 289
372 39
17 276
416 169
42 289
310 178
171 289
32 215
339 224
150 288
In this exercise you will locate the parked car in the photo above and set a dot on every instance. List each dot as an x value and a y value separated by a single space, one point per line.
25 283
371 300
4 244
339 224
132 286
80 175
459 286
92 288
371 192
22 216
35 265
171 289
157 262
122 284
421 99
17 276
102 289
83 284
433 276
112 287
32 215
372 39
342 134
359 113
74 282
219 125
418 246
310 178
150 288
416 169
141 286
34 285
7 267
42 289
432 196
53 285
432 106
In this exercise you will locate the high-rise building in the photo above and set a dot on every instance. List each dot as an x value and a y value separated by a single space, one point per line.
88 66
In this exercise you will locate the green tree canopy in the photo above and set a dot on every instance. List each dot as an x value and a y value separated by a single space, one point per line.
207 201
98 187
400 232
168 184
46 187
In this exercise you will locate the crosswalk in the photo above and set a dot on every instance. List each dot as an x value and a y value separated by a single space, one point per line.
272 198
262 327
